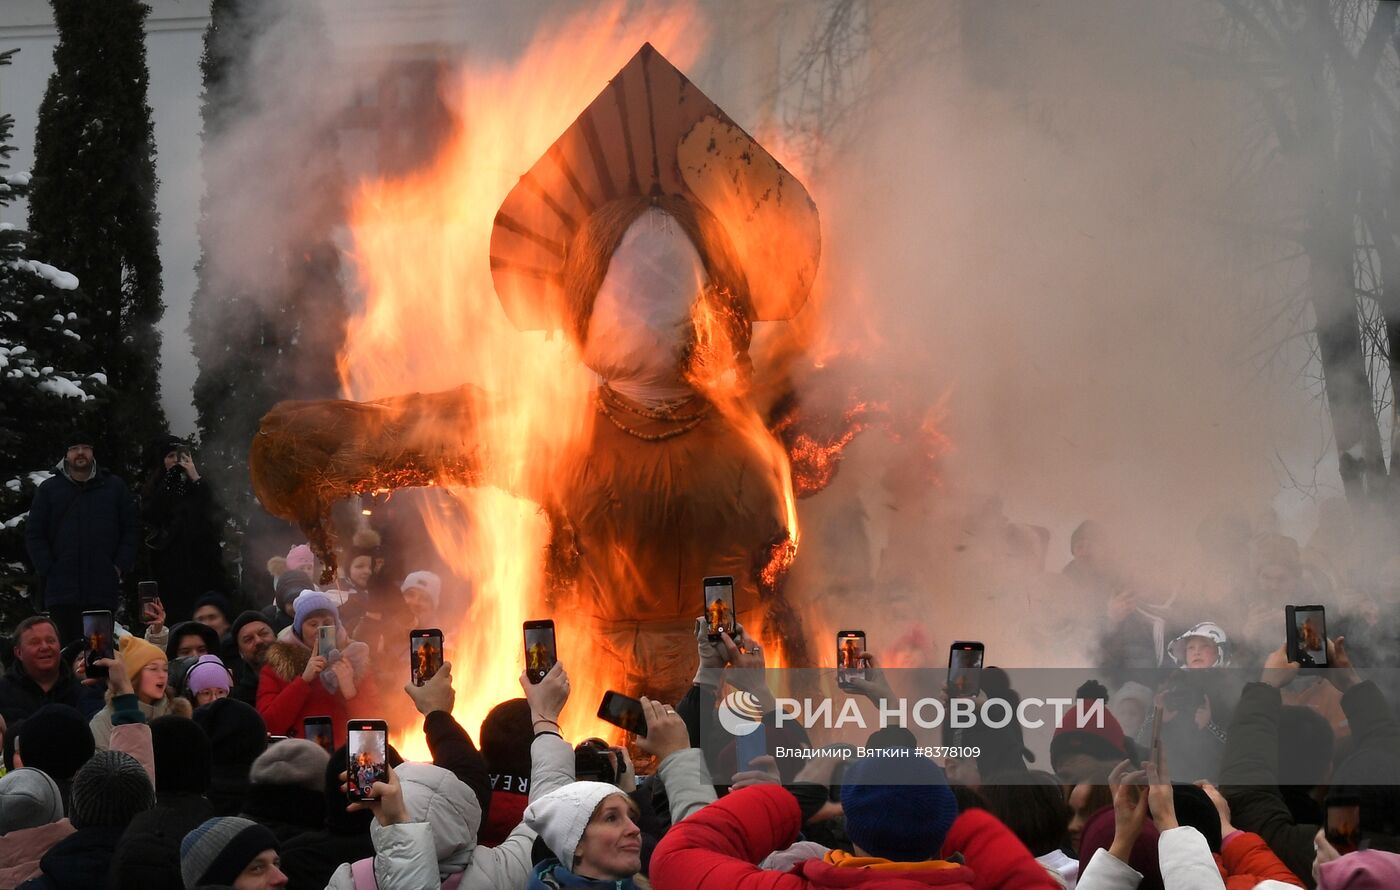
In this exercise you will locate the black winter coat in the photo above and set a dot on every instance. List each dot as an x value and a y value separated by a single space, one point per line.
148 857
286 810
245 682
182 541
78 862
20 696
79 534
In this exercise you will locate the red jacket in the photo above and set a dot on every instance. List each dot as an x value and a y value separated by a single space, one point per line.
1245 860
717 848
997 857
506 812
285 699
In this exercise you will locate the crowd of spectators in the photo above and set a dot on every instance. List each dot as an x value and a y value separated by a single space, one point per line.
1215 760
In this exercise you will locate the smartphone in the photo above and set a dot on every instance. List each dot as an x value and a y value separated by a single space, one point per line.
366 757
747 747
1306 627
540 651
965 668
318 730
149 592
425 654
1344 826
719 605
624 712
97 635
274 739
850 646
325 635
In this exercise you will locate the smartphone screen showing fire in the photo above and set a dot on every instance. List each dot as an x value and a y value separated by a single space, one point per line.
367 757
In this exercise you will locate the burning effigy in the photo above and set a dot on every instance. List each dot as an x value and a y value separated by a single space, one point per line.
653 233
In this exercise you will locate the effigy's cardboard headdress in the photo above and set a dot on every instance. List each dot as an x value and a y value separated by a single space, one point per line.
652 132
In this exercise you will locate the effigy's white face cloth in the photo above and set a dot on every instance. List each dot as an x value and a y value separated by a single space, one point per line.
642 312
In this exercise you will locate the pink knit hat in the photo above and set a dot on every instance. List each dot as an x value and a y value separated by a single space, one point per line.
1362 870
301 558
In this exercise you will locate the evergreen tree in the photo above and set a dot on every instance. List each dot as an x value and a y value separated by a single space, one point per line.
268 315
92 210
48 384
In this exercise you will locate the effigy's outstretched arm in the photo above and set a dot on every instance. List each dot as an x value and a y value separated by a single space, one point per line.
836 405
307 455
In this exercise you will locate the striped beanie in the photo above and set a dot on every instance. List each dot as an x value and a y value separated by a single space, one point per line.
217 850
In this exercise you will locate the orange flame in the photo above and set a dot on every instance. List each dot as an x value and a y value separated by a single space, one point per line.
431 320
719 371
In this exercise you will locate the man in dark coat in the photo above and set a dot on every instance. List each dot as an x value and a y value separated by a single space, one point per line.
39 675
81 535
253 635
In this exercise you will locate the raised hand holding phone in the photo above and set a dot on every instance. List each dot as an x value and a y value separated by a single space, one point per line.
325 639
436 694
850 646
719 605
386 800
874 686
152 610
624 712
118 682
1279 671
366 757
547 697
965 660
666 731
541 650
98 628
1306 633
315 664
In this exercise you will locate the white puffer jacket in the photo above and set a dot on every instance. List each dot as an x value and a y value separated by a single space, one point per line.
441 839
1182 855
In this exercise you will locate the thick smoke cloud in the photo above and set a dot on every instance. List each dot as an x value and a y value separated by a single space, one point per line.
1025 211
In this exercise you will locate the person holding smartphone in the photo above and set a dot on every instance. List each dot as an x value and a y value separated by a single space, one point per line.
300 678
180 538
148 673
434 843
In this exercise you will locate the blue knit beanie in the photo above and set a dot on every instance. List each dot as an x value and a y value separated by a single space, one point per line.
898 805
312 601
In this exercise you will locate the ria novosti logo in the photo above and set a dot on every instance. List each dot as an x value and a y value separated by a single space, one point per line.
740 713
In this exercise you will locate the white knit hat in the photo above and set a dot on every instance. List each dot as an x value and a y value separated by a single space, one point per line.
426 581
561 816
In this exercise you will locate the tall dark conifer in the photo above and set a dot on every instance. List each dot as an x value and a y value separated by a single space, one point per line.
268 315
49 384
92 210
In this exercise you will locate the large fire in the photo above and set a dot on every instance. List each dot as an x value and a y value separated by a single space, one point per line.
431 319
568 485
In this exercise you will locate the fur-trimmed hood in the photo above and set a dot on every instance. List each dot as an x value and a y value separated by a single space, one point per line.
288 660
289 657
